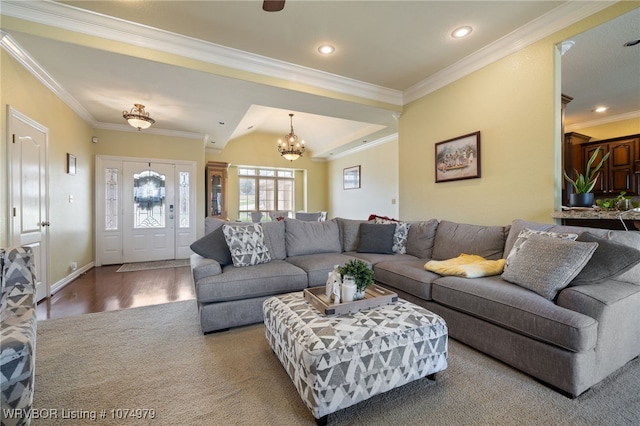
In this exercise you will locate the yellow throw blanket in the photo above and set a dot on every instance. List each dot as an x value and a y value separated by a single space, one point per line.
466 265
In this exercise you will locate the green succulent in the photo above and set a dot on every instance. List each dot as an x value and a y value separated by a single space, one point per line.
360 271
584 183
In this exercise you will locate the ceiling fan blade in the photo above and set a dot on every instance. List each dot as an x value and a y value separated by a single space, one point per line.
273 5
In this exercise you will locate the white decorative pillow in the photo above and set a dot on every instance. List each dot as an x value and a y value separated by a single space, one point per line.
400 236
526 233
246 244
547 265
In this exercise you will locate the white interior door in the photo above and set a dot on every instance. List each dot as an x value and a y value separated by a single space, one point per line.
28 207
148 212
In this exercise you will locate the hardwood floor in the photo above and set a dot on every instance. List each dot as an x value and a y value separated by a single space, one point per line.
103 289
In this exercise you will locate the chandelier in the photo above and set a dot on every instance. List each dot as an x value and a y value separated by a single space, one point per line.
138 118
290 148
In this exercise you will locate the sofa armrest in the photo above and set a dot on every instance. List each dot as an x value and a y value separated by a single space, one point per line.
202 267
616 307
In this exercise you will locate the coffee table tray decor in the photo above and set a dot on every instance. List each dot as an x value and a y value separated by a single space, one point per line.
374 296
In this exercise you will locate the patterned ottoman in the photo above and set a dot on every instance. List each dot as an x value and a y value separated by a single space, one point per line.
338 361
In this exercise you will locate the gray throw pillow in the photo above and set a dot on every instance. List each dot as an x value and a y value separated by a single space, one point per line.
246 244
376 238
609 260
547 265
213 246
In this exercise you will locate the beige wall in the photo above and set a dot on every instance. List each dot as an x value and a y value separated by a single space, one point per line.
260 150
378 183
515 104
71 230
612 130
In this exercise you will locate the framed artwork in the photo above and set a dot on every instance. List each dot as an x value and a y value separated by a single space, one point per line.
71 164
351 177
458 158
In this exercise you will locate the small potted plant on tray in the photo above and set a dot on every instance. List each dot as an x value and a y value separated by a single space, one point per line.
362 274
584 183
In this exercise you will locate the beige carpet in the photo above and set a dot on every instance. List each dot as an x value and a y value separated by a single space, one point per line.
156 358
159 264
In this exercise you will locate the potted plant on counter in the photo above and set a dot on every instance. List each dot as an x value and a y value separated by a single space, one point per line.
362 274
584 183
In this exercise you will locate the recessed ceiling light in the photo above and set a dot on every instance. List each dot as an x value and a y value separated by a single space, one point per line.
461 32
326 49
600 109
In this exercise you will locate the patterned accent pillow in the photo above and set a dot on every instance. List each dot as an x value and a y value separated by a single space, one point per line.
246 244
400 236
547 265
524 235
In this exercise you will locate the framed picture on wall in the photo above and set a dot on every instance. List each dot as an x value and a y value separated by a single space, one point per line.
458 158
71 164
351 177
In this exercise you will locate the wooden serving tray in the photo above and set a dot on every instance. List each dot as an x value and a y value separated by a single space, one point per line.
373 296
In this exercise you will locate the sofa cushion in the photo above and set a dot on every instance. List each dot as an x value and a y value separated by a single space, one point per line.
608 261
546 264
524 235
213 246
406 275
318 266
265 279
349 233
421 237
376 238
631 239
452 239
311 237
246 244
513 307
373 258
274 238
466 265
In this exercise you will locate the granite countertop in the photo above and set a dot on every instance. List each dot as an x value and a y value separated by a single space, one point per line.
594 213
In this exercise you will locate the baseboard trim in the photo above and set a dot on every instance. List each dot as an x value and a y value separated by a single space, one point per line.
69 278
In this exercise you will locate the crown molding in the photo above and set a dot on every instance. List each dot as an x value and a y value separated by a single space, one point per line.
90 23
386 139
22 56
600 121
26 60
553 21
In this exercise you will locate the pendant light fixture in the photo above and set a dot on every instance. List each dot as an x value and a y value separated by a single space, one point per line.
138 118
290 148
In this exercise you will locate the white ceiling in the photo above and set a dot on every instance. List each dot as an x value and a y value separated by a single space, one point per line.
217 70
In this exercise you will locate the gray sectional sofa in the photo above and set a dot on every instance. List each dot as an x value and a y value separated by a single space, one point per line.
570 337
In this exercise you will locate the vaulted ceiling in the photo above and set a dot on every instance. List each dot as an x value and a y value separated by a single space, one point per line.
217 70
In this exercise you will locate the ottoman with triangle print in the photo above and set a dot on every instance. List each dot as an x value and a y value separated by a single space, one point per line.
338 361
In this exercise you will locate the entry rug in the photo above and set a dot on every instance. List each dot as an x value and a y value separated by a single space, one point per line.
160 264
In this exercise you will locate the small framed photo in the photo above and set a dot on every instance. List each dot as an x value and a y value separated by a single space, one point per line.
71 164
351 177
458 158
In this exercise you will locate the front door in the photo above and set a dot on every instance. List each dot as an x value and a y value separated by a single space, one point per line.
28 210
149 211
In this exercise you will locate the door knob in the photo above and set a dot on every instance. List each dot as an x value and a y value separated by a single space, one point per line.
43 224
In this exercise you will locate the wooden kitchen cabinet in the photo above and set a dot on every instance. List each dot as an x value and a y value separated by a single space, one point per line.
618 174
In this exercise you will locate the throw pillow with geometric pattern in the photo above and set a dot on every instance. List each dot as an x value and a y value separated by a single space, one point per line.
246 244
